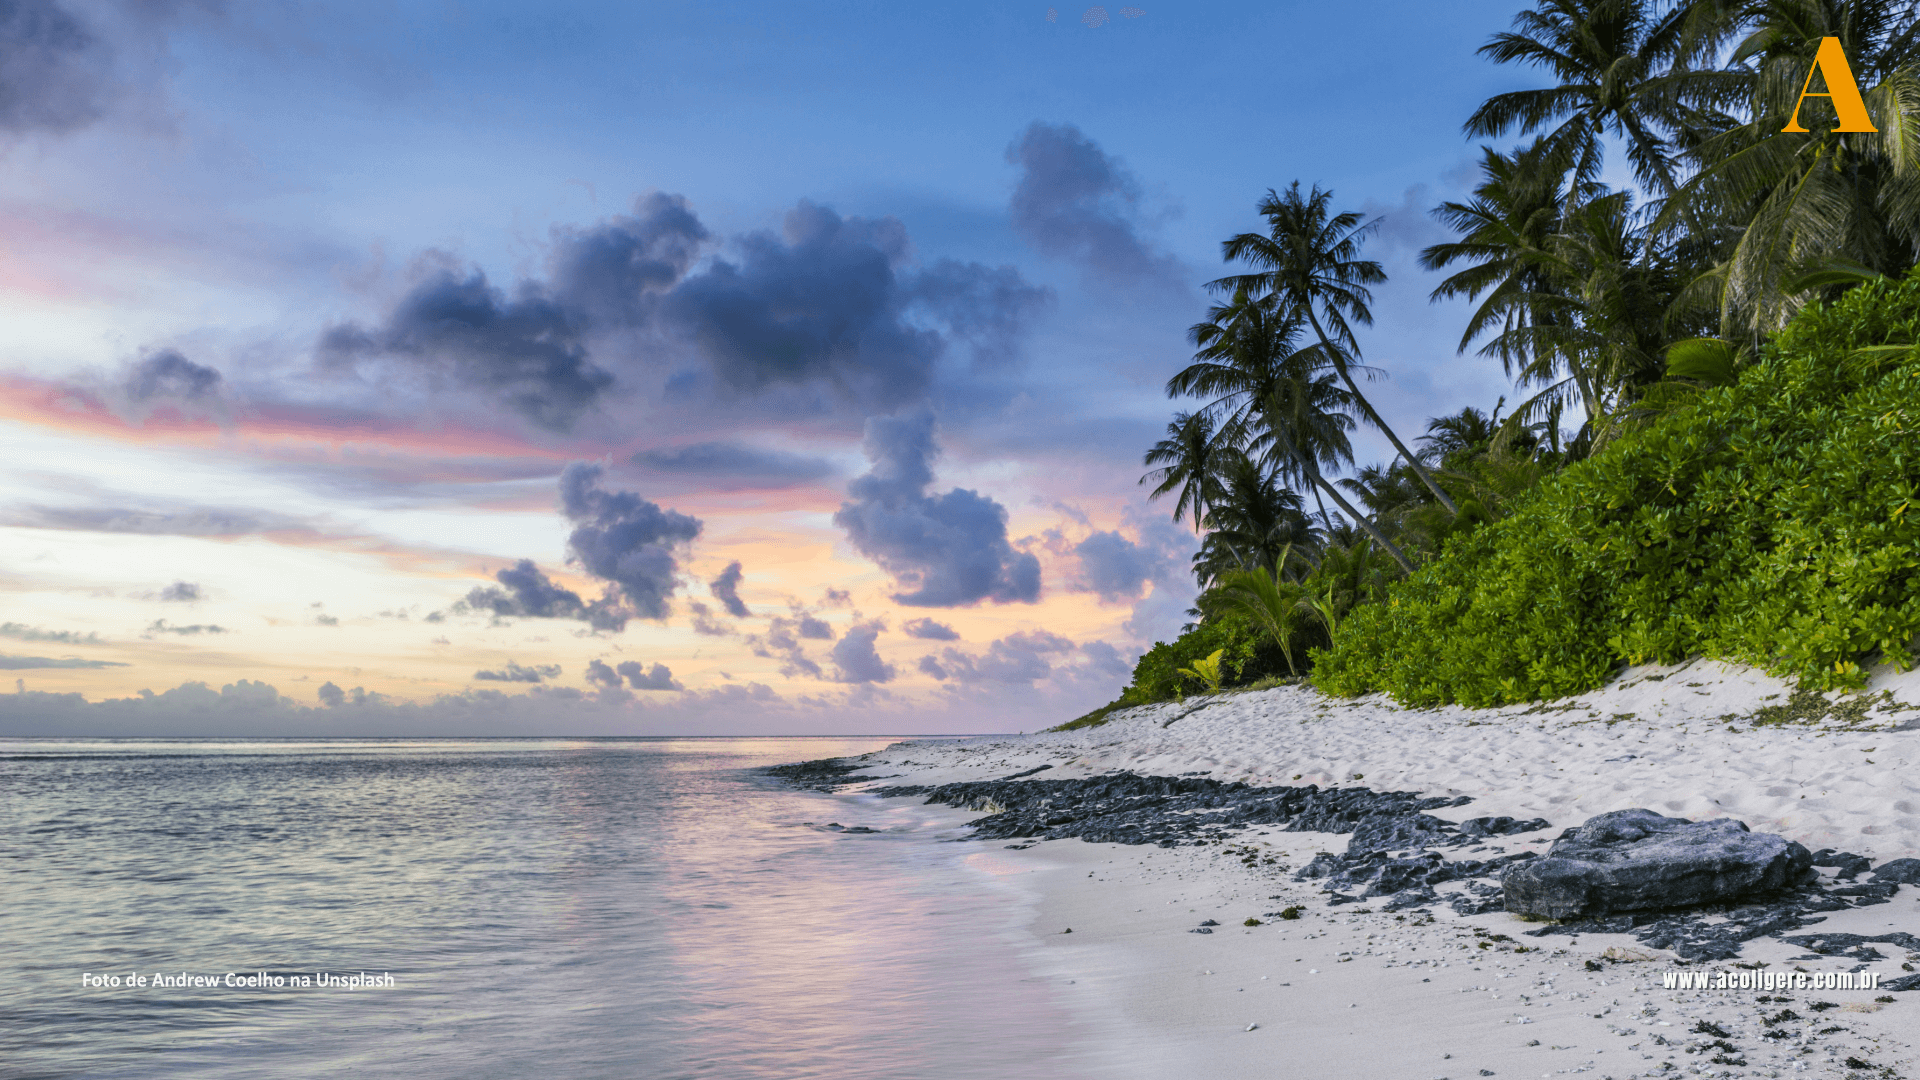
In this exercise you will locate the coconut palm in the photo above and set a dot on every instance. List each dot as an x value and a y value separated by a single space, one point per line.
1842 205
1275 604
1310 264
1621 70
1254 523
1186 460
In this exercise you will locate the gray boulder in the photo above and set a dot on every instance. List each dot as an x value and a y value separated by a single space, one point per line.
1899 871
1637 860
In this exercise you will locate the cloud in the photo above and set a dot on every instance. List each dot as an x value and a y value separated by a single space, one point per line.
326 620
854 658
161 626
1073 202
623 539
828 304
726 464
928 630
817 629
331 696
947 550
167 373
185 591
1106 659
641 678
833 597
780 643
529 593
1116 568
513 672
190 521
726 589
598 672
1018 658
636 675
23 663
526 350
53 68
23 632
611 271
703 621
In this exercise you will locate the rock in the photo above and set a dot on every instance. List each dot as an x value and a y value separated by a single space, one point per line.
1849 864
1500 826
1637 860
1899 871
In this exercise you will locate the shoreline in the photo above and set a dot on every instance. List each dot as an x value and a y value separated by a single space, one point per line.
1426 991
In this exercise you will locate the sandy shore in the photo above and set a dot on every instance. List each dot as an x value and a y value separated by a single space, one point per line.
1352 991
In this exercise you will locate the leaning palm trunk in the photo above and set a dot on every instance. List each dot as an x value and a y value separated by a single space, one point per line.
1312 472
1340 365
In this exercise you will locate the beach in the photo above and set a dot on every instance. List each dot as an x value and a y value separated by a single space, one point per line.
1427 991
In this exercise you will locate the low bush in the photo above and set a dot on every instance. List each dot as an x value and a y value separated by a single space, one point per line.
1772 522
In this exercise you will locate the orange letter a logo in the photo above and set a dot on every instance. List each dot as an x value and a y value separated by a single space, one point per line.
1831 61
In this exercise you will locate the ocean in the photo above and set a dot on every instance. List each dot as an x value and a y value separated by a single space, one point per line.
571 908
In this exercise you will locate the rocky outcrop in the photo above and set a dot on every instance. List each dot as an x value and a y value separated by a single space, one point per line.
1637 860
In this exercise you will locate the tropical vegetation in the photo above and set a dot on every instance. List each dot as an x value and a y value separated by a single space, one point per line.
1705 450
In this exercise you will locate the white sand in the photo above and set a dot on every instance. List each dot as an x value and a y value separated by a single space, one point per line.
1345 992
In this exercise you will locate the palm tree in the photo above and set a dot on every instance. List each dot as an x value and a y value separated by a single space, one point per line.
1275 605
1842 205
1621 71
1311 265
1257 521
1186 457
1506 231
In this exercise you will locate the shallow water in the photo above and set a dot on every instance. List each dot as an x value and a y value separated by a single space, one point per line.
643 908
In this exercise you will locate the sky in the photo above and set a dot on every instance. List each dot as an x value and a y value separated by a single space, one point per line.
719 368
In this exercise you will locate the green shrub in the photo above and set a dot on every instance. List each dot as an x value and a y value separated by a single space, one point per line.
1246 655
1771 522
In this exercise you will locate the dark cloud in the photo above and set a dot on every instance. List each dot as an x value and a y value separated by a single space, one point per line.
528 593
527 350
168 374
1017 658
734 466
23 632
705 623
726 589
829 303
331 696
854 658
598 672
326 620
623 539
612 272
641 678
833 597
53 68
161 626
949 550
1074 202
821 302
928 630
988 307
817 629
1116 568
513 672
24 663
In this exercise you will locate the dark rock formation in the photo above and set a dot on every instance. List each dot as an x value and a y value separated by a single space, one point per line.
1899 871
1637 860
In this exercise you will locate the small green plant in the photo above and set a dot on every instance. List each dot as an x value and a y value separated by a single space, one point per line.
1207 670
1290 913
1252 922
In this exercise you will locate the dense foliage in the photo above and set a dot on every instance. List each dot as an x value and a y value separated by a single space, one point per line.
1729 487
1771 522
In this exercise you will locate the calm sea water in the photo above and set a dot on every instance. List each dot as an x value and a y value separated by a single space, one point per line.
629 908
